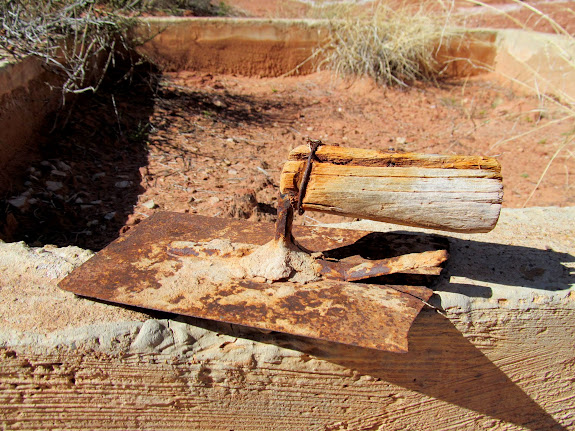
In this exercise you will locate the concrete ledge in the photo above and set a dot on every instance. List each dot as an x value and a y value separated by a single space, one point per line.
537 62
501 358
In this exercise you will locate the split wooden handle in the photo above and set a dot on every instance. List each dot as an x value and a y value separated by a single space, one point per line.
453 193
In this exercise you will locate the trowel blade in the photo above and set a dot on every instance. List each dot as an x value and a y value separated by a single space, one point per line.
136 270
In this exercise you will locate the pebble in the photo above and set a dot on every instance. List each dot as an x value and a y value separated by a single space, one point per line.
19 201
58 173
123 184
54 186
219 102
150 204
110 215
98 175
63 166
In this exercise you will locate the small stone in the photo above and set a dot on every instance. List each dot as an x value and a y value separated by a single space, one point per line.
18 202
150 204
98 175
213 200
58 173
400 140
110 215
123 184
219 102
98 202
63 166
232 172
54 186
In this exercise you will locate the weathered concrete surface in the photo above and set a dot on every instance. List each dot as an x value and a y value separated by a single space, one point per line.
251 47
540 62
502 358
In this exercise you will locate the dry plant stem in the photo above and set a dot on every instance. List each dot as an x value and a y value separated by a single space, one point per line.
521 135
567 142
565 102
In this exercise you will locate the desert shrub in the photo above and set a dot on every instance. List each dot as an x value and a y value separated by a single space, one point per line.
71 36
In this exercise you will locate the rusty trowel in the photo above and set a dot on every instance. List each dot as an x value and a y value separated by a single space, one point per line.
333 284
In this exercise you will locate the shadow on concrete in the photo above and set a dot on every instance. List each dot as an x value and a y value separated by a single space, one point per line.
441 363
472 261
508 265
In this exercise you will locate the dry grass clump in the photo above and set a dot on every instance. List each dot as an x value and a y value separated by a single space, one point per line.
79 39
392 46
71 36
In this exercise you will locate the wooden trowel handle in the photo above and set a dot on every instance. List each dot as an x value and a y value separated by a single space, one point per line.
453 193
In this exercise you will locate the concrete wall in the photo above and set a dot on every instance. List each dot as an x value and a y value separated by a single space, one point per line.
26 100
537 62
252 47
262 47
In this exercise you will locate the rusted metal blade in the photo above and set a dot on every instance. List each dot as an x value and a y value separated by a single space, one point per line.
138 270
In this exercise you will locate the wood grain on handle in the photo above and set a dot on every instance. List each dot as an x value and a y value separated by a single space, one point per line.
453 193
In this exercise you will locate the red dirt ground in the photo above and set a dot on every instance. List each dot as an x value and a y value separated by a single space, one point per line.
227 154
